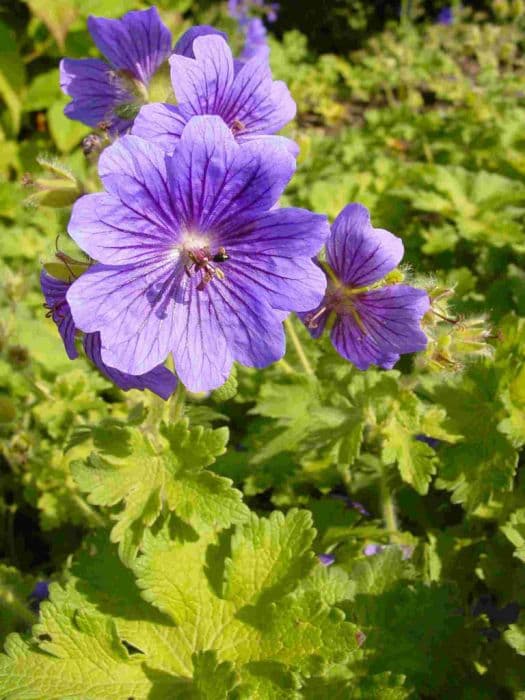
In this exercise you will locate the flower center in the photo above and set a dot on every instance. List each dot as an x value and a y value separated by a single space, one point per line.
200 259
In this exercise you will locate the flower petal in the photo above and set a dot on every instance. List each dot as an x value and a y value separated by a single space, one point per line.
158 380
259 104
138 42
133 309
204 82
270 139
95 91
114 233
271 254
358 253
388 326
161 124
54 292
215 181
184 46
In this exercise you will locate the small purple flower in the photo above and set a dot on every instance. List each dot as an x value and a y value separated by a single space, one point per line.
37 596
241 10
326 559
446 16
159 380
255 43
373 324
370 550
195 259
253 106
434 443
109 95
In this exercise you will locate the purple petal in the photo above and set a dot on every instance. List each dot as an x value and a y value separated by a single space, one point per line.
95 90
271 253
214 181
255 40
161 124
326 559
358 253
158 380
204 82
259 104
133 308
248 100
388 326
135 220
138 42
184 46
275 141
54 291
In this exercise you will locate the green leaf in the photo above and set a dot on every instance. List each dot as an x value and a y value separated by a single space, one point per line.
43 91
416 459
57 15
66 133
75 653
97 638
514 530
143 478
480 468
12 75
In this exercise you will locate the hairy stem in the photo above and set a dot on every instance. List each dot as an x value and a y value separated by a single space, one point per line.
388 506
177 403
298 346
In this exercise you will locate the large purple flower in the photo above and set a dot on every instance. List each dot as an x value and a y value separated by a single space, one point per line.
159 380
373 324
195 262
253 106
111 94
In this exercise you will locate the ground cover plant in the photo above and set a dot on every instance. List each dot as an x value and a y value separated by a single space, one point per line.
262 387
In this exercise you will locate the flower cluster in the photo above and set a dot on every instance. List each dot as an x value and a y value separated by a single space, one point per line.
189 253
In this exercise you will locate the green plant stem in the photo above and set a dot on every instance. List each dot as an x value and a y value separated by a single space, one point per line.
298 346
177 403
388 507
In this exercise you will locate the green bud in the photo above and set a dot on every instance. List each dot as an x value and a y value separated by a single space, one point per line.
7 410
395 277
57 187
127 110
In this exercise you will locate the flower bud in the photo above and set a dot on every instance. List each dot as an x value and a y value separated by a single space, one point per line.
57 187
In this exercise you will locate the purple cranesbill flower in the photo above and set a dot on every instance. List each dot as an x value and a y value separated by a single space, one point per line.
241 10
255 41
159 379
446 16
373 325
370 550
253 106
195 259
39 593
109 95
434 443
326 559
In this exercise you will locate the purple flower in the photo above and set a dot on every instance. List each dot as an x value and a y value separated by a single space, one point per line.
255 44
242 9
372 324
109 95
446 16
252 104
195 259
372 549
159 380
326 559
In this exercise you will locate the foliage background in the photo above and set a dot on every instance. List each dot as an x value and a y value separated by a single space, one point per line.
421 122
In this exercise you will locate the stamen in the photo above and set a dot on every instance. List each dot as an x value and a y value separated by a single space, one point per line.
312 321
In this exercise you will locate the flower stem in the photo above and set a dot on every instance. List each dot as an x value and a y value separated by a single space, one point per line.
177 403
298 346
388 507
